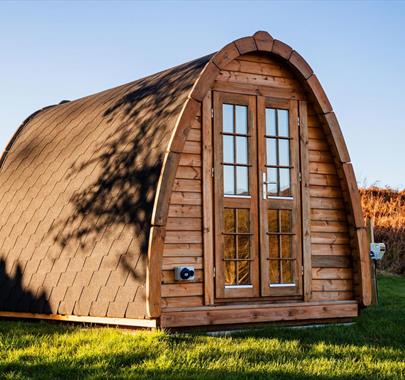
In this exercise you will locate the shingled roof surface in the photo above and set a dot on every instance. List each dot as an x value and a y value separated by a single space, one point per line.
77 187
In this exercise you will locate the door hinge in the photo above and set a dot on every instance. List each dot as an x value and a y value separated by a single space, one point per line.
299 177
214 272
212 113
302 270
212 172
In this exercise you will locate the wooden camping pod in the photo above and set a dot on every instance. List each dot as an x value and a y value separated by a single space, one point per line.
110 210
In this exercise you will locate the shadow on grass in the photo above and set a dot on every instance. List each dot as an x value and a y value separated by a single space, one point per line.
374 347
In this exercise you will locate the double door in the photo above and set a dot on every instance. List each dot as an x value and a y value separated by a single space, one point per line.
258 248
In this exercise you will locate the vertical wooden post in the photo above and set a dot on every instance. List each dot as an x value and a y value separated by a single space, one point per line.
374 290
208 222
305 201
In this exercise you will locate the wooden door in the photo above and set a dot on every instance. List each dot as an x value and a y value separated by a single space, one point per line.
280 208
235 196
256 197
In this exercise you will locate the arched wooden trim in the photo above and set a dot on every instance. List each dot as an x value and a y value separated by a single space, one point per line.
260 41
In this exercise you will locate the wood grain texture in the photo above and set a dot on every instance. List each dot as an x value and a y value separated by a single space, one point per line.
267 313
174 144
306 200
208 201
264 41
299 63
153 274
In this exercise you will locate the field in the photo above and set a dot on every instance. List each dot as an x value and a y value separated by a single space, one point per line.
387 207
373 347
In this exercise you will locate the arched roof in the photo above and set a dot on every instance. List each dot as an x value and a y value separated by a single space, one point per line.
82 183
77 185
260 42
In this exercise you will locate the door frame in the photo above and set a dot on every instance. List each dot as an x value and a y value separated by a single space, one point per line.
208 197
280 203
244 202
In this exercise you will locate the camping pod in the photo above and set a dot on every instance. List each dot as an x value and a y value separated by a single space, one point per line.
216 192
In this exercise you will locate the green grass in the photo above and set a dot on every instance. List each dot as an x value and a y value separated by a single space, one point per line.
372 348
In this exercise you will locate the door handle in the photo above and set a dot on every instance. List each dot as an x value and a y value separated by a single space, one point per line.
264 177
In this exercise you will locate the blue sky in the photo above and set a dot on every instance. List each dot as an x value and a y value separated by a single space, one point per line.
65 50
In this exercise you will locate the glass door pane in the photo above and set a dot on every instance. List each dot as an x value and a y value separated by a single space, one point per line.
235 158
278 153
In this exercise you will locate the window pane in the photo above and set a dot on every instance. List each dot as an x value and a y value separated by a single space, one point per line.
241 119
229 184
271 151
286 250
270 122
229 220
243 273
273 246
229 247
288 271
274 271
243 247
285 190
285 216
282 123
228 149
230 273
284 152
242 180
272 220
272 181
227 118
243 220
241 150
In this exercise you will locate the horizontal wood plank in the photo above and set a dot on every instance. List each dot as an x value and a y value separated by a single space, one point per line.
320 156
194 135
332 273
193 147
328 226
329 296
289 312
189 159
329 215
322 168
256 79
185 211
183 237
332 285
193 301
188 172
325 192
182 249
327 203
187 185
252 89
324 237
320 145
184 224
182 289
185 198
323 179
331 261
330 249
168 263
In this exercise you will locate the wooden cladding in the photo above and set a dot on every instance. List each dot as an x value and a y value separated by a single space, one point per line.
184 228
324 235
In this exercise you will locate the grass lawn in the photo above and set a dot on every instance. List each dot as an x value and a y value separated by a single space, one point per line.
372 348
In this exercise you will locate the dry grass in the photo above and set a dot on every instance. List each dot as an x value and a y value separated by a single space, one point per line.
387 206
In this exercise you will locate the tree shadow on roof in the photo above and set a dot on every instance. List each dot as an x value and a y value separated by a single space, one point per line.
122 173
